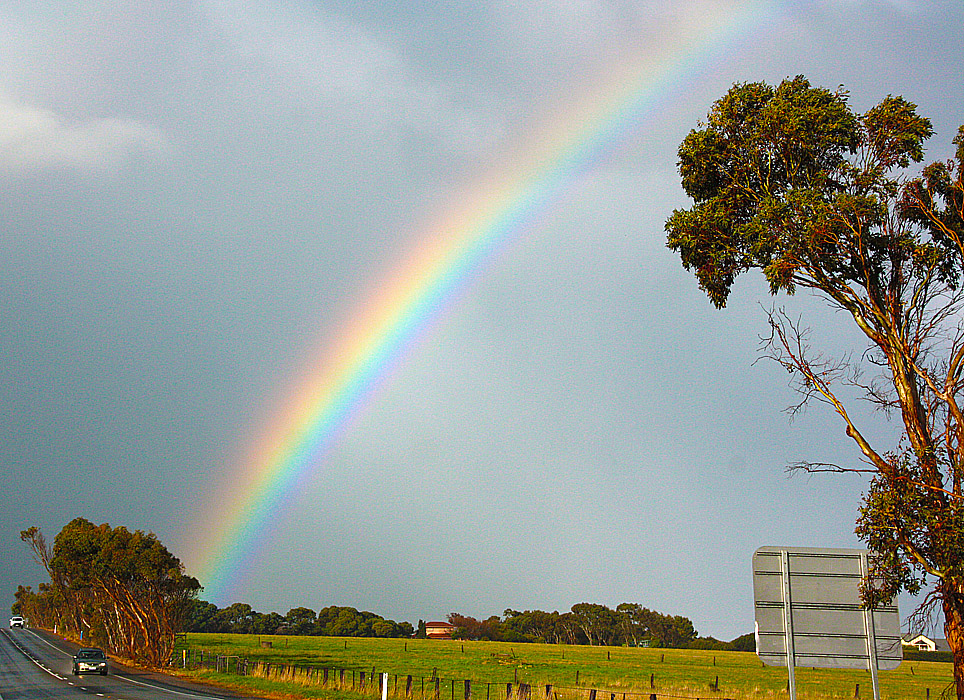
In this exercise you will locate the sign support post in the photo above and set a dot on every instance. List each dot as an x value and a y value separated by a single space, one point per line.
872 660
788 623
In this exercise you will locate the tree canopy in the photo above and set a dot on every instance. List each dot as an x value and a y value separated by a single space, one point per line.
587 623
120 589
790 181
331 621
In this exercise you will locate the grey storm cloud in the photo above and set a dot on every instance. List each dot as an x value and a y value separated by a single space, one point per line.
197 196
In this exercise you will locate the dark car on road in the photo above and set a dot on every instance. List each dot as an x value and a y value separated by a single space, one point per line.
90 661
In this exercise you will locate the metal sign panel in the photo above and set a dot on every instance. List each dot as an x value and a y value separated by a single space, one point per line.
809 612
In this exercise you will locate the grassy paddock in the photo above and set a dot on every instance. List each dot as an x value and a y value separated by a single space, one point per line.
571 670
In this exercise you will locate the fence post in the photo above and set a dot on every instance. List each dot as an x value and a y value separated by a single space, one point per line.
408 686
436 687
467 693
508 691
548 695
385 686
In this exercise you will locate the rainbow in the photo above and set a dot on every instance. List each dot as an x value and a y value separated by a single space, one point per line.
455 250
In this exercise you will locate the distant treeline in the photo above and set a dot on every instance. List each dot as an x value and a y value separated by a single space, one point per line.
333 621
629 624
587 623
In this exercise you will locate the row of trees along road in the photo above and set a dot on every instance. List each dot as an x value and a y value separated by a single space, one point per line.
120 590
790 181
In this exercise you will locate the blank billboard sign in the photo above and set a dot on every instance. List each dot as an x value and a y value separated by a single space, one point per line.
809 613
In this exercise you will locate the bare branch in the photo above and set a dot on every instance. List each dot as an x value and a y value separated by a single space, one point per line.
826 468
788 345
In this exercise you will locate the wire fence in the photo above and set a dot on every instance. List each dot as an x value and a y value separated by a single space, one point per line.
411 687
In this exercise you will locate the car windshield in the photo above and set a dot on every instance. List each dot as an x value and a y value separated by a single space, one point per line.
90 654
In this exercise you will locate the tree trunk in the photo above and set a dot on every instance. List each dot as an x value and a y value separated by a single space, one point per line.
952 602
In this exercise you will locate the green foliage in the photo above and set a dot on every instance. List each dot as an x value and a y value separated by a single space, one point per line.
629 624
708 643
944 657
200 616
935 202
300 621
788 180
333 621
745 642
597 622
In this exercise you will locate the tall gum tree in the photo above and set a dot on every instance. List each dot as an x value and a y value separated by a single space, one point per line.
788 180
125 588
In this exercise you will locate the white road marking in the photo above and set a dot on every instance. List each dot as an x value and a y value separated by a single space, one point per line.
168 690
58 649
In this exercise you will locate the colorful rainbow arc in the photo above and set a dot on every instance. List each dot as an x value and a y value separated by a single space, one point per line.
458 249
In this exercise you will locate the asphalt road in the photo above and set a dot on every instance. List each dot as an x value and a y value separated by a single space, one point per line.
35 665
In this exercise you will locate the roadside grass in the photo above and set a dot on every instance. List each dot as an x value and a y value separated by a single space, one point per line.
571 670
270 688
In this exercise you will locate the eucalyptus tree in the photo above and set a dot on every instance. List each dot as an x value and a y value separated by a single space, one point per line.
599 623
125 588
790 181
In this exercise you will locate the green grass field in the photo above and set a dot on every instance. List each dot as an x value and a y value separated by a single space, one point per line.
572 670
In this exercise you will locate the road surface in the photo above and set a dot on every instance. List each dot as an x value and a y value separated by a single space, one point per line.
35 665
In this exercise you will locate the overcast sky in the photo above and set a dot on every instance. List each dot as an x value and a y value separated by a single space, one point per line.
196 196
